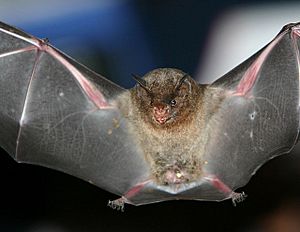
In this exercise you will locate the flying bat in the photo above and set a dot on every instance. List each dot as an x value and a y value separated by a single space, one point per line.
166 138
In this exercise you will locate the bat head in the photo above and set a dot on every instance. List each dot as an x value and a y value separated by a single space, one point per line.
166 96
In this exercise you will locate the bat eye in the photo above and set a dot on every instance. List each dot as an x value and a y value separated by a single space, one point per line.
173 102
151 103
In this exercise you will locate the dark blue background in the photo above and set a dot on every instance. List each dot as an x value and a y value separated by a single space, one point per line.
133 36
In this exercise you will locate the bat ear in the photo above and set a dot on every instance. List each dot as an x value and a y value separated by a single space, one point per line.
141 82
182 80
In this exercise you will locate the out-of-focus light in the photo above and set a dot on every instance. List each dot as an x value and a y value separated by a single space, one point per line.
239 33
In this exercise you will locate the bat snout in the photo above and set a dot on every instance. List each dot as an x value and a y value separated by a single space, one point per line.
161 113
161 109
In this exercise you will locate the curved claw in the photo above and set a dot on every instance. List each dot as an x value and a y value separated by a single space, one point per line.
237 197
118 204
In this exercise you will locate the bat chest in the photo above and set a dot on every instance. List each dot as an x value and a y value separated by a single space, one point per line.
173 160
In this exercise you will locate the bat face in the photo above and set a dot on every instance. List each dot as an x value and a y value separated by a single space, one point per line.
166 97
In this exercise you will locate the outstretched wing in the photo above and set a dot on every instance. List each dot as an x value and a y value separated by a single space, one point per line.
253 116
259 116
57 113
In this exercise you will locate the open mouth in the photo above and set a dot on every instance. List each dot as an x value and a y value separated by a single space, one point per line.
161 120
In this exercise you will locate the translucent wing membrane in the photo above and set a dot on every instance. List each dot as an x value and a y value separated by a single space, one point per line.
57 113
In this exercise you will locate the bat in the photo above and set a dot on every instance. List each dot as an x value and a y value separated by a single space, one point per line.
166 138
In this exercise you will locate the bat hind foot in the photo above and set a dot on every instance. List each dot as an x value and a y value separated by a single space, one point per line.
118 204
237 197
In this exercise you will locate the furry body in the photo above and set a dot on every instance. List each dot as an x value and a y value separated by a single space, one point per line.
173 149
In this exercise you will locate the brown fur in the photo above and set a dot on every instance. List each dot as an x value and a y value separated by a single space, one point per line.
174 150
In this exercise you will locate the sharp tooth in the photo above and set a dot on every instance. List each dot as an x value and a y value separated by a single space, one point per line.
178 174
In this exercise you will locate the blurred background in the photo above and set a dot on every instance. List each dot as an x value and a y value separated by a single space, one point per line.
120 37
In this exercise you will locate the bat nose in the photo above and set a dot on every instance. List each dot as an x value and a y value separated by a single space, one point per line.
160 109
